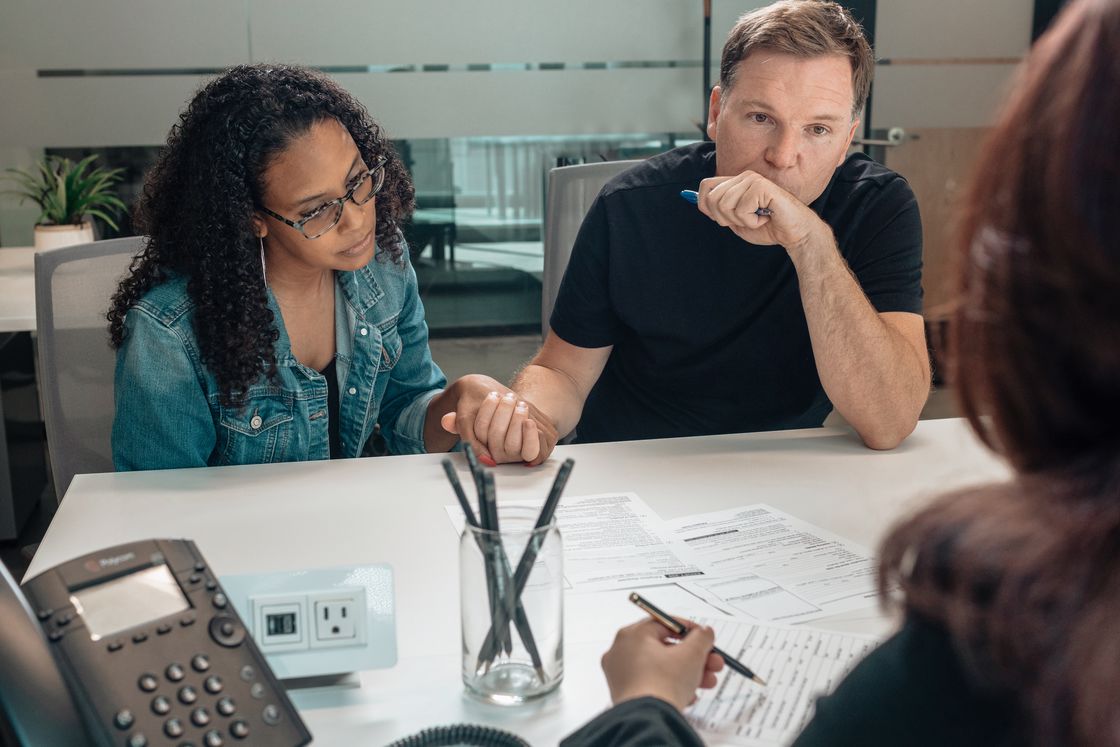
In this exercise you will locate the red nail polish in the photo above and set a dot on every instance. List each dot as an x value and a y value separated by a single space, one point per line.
487 460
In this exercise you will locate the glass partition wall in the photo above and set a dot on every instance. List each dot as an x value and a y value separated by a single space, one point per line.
476 236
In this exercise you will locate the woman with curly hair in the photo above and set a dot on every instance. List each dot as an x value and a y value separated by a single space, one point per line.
273 314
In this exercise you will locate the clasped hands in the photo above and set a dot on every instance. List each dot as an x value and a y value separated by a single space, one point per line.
499 425
732 202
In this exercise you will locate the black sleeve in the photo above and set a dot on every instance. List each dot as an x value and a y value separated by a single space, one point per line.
912 690
643 722
583 315
887 257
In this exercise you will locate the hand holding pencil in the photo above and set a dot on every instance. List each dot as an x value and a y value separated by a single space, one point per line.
679 629
641 662
645 661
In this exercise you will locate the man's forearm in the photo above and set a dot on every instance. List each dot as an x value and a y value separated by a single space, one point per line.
872 374
553 393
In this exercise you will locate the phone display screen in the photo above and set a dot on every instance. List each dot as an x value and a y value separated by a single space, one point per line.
130 600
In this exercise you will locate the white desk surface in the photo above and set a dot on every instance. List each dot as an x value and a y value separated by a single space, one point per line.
17 289
289 516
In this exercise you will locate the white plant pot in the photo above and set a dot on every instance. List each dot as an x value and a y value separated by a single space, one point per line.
52 237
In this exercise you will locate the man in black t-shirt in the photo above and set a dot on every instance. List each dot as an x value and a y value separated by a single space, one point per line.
792 287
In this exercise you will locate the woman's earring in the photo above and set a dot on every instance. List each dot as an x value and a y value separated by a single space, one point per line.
264 273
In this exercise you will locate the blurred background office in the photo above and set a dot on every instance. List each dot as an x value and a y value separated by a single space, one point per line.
481 100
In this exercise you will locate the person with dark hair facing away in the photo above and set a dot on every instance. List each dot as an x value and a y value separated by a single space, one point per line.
685 320
1009 591
273 314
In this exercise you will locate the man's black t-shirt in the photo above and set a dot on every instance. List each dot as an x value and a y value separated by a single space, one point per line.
709 333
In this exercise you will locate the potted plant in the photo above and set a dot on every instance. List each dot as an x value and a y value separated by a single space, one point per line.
68 195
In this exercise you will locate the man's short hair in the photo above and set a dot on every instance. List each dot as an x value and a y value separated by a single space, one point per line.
803 28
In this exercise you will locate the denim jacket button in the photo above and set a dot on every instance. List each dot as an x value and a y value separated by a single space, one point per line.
351 391
255 422
364 331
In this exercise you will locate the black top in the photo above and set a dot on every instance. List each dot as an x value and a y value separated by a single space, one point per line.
333 410
636 723
913 690
709 333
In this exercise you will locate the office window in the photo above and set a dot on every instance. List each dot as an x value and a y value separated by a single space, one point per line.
476 236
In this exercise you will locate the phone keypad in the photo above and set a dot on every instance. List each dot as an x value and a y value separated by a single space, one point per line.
201 714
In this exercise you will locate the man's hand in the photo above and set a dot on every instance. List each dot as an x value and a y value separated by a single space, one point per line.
499 425
643 661
732 201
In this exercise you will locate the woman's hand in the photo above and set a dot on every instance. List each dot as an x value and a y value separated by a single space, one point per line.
643 661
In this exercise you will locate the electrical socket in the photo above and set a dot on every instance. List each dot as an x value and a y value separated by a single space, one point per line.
370 591
339 617
280 622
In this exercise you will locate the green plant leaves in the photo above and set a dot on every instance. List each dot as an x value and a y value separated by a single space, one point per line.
68 192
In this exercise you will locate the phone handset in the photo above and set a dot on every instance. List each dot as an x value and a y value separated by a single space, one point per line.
36 704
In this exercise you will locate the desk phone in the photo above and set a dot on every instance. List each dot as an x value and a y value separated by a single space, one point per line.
153 653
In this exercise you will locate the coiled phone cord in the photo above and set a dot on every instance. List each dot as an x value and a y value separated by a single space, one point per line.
468 734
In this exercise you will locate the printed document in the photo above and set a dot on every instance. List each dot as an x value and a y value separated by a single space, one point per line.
755 561
611 541
799 665
764 564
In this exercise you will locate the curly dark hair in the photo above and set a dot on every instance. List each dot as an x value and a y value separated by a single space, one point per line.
199 200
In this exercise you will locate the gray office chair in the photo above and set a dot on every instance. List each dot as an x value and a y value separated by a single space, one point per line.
73 286
571 190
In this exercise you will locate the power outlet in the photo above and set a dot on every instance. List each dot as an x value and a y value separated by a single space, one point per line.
339 618
315 622
280 622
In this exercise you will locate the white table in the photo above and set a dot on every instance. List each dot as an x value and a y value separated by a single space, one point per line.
17 289
320 514
17 314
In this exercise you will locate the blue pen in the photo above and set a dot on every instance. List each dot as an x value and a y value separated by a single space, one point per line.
690 196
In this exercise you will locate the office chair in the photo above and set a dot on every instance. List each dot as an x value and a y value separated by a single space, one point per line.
73 286
571 190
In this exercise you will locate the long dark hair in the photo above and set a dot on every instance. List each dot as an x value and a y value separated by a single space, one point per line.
1026 575
198 203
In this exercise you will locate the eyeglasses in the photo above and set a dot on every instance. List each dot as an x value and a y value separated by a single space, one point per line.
326 216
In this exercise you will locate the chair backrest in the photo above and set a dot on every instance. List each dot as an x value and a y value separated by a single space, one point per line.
571 190
73 287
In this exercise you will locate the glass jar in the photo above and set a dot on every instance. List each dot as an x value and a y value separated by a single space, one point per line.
513 643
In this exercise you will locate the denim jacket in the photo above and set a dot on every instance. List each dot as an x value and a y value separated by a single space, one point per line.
168 412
